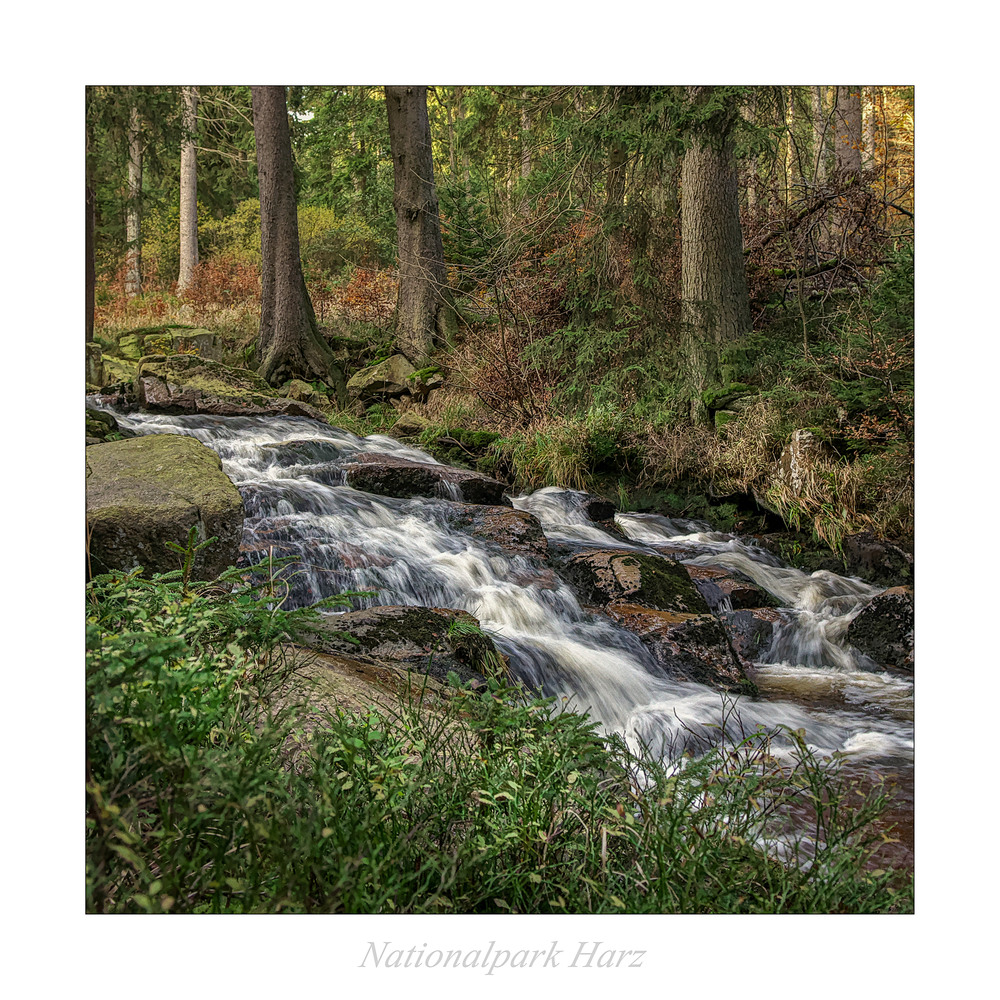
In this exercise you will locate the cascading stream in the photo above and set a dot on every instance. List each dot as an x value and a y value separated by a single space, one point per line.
289 472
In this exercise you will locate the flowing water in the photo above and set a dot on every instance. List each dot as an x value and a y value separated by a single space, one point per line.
289 472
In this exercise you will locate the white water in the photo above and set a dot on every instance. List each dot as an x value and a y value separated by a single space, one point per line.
297 504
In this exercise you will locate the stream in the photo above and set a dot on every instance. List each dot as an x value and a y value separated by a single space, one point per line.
289 472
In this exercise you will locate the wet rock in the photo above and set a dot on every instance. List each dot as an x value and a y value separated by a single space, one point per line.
688 646
597 508
719 586
601 576
878 561
102 426
431 640
184 383
390 476
883 629
150 490
750 630
388 379
512 530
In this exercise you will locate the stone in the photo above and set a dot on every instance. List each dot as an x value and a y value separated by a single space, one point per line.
750 630
305 393
383 381
186 383
390 476
719 586
512 530
803 452
431 640
410 423
603 576
101 426
94 364
883 629
877 560
146 491
691 647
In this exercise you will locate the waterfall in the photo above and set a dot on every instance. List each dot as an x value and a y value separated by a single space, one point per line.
290 474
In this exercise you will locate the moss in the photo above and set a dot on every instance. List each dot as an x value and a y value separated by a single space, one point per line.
716 399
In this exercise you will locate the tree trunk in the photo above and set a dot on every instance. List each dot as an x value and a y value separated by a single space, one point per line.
91 272
820 143
289 345
715 306
425 316
847 129
189 191
133 225
869 115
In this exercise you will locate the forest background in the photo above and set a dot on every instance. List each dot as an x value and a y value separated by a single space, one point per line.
955 396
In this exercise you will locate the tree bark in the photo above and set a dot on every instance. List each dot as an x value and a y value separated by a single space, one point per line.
91 272
289 345
133 223
820 143
189 192
847 129
715 306
869 116
425 317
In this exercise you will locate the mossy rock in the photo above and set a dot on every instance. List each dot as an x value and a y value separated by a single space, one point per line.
185 383
391 476
719 399
147 491
435 641
602 576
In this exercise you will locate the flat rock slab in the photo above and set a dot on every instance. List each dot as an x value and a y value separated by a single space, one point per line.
184 383
601 576
146 491
430 640
391 476
689 646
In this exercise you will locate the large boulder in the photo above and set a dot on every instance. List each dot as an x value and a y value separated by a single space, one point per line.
136 344
601 576
147 491
877 560
391 476
688 646
386 380
512 530
430 640
883 629
185 383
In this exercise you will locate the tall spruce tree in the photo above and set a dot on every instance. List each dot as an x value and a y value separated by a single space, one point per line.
289 345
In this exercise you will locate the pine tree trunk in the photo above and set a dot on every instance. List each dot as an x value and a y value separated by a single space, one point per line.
91 272
289 345
820 143
715 306
847 129
425 317
133 225
189 192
